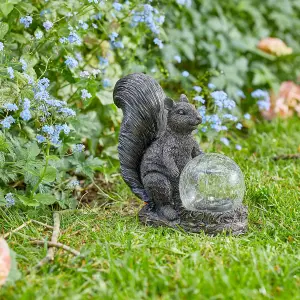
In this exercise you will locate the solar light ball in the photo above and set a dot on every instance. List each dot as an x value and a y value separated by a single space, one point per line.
211 182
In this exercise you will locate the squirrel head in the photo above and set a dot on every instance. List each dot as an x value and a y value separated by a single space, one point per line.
182 116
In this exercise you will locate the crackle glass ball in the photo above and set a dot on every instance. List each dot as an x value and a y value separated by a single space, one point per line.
211 182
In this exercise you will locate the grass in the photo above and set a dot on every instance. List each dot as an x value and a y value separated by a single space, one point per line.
125 260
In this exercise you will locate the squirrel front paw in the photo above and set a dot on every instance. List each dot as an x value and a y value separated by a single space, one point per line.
168 212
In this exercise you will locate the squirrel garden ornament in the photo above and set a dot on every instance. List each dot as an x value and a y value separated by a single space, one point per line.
155 146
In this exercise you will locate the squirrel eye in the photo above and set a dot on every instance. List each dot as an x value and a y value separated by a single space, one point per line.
181 112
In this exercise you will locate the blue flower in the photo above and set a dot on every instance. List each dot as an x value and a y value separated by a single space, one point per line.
24 64
204 129
85 94
68 112
239 126
240 94
160 20
159 43
43 83
10 72
202 110
48 129
63 40
25 115
177 58
220 97
200 99
95 72
71 62
55 103
117 6
259 94
106 82
83 25
29 78
47 25
118 44
45 11
225 141
113 36
41 95
78 148
10 200
10 107
73 38
238 147
197 88
230 104
26 21
247 116
97 16
185 74
73 184
264 104
78 56
103 61
6 123
184 2
40 138
230 117
1 46
211 86
66 129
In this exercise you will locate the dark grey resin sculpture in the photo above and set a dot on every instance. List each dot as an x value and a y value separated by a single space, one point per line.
155 144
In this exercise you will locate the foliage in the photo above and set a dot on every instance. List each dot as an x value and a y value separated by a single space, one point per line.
63 50
223 35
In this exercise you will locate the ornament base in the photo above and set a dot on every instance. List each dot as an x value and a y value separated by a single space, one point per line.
212 223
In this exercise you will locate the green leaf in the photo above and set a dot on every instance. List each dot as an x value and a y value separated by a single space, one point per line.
50 174
46 199
53 157
2 199
3 29
2 159
33 150
27 201
18 38
105 97
29 8
6 8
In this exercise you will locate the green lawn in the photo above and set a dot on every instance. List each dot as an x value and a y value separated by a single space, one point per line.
125 260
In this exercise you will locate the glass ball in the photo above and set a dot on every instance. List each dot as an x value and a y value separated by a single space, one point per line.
211 182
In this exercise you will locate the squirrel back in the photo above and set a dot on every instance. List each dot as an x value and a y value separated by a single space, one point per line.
141 99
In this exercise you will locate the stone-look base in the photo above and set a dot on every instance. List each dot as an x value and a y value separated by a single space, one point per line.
234 222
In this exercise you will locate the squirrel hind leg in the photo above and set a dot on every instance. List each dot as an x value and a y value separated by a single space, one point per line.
159 190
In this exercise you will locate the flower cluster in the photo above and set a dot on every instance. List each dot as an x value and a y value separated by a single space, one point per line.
263 99
10 200
218 115
151 17
44 108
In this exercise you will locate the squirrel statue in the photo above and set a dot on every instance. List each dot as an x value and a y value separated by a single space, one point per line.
155 142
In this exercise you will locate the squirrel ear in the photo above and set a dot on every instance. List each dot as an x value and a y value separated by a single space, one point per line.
169 103
183 98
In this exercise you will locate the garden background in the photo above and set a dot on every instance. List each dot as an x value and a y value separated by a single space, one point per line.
237 61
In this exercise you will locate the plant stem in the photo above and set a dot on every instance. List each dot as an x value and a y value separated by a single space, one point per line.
43 173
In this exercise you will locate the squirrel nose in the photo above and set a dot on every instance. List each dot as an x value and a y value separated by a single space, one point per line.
199 119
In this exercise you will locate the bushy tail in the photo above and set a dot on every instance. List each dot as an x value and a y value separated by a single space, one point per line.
141 99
